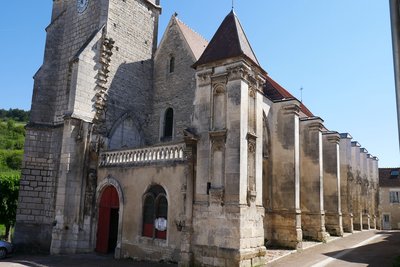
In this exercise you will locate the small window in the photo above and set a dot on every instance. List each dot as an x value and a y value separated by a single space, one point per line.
155 213
171 64
394 196
394 174
168 124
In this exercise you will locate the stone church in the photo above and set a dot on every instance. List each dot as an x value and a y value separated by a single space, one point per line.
181 150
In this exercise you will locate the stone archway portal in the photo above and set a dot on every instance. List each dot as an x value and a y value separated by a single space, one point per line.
107 228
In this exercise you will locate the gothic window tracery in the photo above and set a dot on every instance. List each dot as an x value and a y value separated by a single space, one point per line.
155 213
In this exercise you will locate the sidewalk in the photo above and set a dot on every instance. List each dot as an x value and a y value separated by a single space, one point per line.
84 260
276 254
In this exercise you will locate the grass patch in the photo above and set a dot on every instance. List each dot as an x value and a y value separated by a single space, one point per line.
2 230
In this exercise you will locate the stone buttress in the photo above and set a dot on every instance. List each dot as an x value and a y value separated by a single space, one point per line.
228 211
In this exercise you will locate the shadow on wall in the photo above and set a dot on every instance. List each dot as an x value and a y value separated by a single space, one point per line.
129 103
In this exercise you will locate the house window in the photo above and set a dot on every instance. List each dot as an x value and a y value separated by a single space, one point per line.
155 213
394 197
168 124
394 174
171 64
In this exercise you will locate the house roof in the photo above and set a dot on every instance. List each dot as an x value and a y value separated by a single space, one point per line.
228 42
195 41
275 92
389 177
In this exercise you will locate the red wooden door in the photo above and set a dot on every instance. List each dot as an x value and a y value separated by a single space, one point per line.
109 200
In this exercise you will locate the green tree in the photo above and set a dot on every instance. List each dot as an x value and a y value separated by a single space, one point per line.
9 186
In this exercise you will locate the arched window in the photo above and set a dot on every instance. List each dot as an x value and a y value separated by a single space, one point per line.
168 124
171 64
155 213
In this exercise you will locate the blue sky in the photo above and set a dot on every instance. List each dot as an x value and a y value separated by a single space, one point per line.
338 51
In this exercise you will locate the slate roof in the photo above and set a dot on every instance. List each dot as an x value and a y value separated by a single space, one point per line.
195 41
388 180
275 92
228 42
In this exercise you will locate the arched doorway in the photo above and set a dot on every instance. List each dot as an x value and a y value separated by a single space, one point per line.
107 228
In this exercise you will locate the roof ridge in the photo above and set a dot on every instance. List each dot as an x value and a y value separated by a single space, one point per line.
239 24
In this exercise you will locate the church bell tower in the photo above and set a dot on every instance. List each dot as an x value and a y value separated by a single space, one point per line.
98 65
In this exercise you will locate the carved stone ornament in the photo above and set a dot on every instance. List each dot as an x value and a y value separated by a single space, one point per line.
252 93
216 196
204 77
251 196
240 71
219 88
218 139
100 104
221 78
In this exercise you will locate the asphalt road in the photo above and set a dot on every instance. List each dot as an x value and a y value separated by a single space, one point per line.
367 248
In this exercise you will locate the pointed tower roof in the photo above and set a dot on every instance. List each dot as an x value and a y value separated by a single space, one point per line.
229 41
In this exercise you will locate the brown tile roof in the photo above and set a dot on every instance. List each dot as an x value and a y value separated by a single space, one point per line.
195 41
275 92
229 41
386 179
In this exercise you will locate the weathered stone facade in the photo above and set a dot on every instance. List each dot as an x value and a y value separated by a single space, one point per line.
187 152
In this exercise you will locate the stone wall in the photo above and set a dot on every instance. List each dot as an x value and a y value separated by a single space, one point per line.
35 212
133 26
172 89
134 183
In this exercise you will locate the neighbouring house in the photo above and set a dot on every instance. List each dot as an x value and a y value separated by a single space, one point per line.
389 198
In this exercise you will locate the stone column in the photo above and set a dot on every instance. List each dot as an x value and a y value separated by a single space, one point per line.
332 203
371 191
376 192
346 179
284 218
185 224
364 189
311 179
356 185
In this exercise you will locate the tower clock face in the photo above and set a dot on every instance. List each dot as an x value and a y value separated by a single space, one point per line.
81 5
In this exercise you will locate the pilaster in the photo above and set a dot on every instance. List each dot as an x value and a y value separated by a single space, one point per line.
365 183
346 179
332 202
284 218
311 179
356 185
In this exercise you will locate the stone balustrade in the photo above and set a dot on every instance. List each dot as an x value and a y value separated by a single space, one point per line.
142 155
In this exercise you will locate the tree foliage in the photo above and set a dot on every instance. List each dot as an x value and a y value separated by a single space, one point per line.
14 114
12 137
9 186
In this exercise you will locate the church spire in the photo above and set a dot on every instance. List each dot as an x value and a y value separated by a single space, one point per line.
229 41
